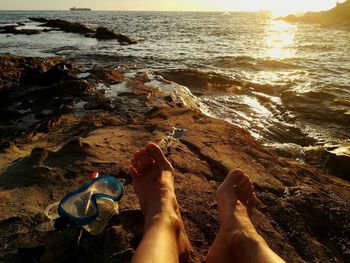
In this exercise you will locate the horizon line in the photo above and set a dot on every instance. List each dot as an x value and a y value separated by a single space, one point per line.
127 10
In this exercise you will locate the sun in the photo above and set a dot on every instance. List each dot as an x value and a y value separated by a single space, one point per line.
287 7
281 10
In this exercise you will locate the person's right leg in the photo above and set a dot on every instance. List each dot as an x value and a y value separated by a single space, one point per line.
164 238
238 240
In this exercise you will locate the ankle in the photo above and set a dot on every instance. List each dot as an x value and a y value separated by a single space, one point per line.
165 219
237 238
243 238
247 242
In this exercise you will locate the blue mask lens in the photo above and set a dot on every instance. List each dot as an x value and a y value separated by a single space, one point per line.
83 205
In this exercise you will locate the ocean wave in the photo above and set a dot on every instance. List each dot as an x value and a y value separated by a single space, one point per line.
252 63
63 49
319 108
314 47
213 82
201 81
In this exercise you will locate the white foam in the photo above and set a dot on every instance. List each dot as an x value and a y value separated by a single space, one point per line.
83 75
113 91
79 107
180 94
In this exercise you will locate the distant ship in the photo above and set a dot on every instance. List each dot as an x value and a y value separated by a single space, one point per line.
79 9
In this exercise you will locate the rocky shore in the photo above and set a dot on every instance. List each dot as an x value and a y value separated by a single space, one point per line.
60 122
338 16
101 33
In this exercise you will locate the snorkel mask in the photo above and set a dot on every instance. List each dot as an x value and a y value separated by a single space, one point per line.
92 205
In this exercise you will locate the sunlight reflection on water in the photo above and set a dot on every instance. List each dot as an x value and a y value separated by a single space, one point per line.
257 107
279 40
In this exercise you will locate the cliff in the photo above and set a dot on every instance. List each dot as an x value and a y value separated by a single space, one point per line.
337 16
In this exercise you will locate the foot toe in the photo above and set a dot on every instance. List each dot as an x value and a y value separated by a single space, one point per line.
135 163
157 155
233 178
132 171
244 180
237 185
252 201
245 191
145 159
155 152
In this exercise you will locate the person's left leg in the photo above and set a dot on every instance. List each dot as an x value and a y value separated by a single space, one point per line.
164 238
237 239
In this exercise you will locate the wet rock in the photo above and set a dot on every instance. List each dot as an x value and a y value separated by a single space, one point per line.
12 29
289 150
333 159
199 81
75 88
126 40
108 76
339 159
105 33
100 104
15 70
63 25
39 19
91 35
303 213
55 74
101 33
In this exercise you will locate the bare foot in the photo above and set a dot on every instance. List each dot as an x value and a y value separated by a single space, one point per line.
153 181
236 199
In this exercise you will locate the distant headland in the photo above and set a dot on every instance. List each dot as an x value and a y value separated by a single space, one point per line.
337 16
79 9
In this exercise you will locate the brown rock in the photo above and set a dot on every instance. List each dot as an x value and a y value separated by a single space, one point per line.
105 33
108 76
13 30
74 87
15 70
303 213
63 25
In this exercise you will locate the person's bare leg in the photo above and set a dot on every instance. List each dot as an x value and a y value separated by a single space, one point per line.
164 237
238 240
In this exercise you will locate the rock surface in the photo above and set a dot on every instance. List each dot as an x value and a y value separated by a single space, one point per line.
14 70
105 33
101 33
337 16
12 29
63 25
51 141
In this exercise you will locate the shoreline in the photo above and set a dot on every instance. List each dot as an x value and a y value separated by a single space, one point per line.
291 106
331 158
77 128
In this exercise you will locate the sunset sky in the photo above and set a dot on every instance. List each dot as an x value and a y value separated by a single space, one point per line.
278 6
